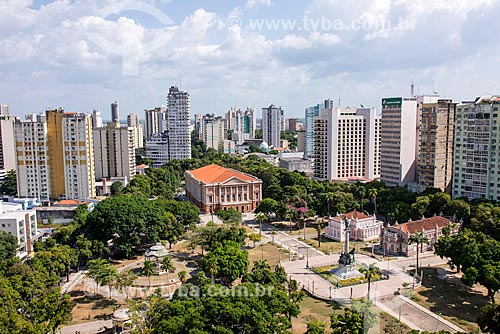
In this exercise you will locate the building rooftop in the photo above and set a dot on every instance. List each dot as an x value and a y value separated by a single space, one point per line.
426 224
216 174
69 202
353 215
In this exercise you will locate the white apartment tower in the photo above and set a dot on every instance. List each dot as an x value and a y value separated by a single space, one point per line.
242 123
154 120
174 140
96 119
476 172
347 144
55 156
4 110
214 132
133 121
7 143
178 113
273 122
399 141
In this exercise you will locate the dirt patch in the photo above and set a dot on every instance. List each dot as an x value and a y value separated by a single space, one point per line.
457 303
93 308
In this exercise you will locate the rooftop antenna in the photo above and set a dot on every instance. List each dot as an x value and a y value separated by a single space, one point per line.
339 101
412 90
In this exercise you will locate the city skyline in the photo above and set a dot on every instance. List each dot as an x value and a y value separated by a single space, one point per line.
245 53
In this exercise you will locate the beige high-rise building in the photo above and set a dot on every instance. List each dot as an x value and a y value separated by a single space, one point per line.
154 121
435 161
7 145
55 156
114 151
214 132
133 121
347 144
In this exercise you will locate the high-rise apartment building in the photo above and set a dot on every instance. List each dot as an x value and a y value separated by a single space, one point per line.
114 148
96 119
273 122
435 154
4 110
178 122
55 156
311 113
133 121
399 141
293 124
476 172
174 140
114 151
214 132
7 143
154 120
198 126
347 144
242 124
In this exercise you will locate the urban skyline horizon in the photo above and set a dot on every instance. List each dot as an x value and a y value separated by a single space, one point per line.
378 108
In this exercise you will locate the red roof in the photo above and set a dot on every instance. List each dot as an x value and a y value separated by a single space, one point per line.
216 174
69 202
354 215
427 224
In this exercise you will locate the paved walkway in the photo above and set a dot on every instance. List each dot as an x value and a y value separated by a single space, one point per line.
382 292
87 328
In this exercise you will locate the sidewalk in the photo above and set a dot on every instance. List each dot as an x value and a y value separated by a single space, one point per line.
87 328
382 292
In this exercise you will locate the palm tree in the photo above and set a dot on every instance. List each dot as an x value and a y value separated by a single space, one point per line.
329 197
361 192
318 227
261 264
212 268
260 217
420 239
167 265
182 276
148 269
289 214
372 193
369 272
124 280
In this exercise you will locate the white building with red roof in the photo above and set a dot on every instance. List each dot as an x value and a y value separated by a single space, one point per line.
363 227
395 239
213 188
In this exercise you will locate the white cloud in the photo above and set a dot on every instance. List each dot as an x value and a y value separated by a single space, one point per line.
224 65
254 4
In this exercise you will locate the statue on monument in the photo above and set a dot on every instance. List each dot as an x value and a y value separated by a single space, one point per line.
347 257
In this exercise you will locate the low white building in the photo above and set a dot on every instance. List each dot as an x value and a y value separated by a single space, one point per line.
20 223
363 227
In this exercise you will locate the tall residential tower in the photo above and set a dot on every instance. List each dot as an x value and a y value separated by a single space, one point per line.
55 156
476 165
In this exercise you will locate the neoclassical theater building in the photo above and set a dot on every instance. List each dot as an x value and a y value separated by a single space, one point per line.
214 188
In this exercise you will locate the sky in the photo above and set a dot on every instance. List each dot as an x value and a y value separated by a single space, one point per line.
85 54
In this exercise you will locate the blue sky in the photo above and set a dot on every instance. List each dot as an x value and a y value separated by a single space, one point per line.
85 54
